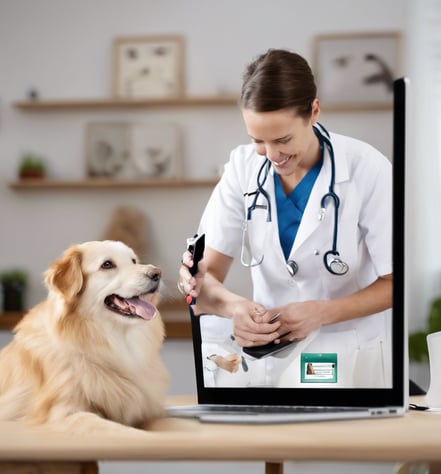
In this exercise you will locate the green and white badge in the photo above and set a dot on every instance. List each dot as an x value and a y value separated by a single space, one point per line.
318 368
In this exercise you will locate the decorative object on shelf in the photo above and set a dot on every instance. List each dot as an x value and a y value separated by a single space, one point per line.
107 149
127 150
127 224
32 94
13 283
31 166
148 67
356 71
418 351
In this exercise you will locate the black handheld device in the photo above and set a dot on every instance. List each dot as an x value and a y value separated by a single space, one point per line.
268 349
196 246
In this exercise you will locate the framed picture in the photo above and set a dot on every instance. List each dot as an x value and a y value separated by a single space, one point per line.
148 67
356 71
107 149
125 150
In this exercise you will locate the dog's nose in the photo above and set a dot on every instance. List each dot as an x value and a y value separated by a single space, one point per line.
154 273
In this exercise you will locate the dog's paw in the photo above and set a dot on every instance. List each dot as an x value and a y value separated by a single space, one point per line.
82 423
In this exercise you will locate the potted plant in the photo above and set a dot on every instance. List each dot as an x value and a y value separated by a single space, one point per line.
418 351
31 166
13 283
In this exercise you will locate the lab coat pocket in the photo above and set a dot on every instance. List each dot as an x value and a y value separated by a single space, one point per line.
369 369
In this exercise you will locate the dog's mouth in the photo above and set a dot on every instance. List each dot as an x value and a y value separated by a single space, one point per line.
134 307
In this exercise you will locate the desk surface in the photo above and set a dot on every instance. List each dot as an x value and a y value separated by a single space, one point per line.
414 437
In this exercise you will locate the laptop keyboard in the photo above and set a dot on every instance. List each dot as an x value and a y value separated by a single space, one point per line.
275 409
261 414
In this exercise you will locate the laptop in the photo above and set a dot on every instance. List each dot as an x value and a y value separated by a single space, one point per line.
234 386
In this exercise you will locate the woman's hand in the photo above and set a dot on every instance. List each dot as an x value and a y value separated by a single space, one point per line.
230 362
298 320
189 284
252 326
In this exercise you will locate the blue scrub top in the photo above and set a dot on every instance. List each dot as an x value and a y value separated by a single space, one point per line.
290 208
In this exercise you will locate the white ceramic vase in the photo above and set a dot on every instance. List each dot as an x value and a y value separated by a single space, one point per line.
433 395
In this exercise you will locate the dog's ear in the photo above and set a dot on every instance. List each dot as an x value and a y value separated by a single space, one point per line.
65 274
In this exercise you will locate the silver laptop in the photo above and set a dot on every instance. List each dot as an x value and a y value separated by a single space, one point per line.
250 386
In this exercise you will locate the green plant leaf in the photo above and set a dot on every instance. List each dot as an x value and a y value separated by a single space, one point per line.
31 162
434 319
14 276
418 347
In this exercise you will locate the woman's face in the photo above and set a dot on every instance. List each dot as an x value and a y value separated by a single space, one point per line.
285 138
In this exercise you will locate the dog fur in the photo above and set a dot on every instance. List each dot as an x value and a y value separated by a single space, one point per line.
75 354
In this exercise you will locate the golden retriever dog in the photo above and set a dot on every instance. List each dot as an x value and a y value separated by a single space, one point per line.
92 347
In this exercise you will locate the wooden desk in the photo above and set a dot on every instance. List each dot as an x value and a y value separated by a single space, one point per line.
415 437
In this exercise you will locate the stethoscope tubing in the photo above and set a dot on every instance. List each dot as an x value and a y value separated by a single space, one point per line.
260 189
331 194
324 139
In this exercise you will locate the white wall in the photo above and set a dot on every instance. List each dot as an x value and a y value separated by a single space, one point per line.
63 48
423 166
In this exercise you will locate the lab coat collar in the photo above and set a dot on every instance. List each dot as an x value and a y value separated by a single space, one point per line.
340 157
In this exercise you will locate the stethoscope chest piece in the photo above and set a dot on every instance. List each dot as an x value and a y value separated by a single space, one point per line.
334 264
292 267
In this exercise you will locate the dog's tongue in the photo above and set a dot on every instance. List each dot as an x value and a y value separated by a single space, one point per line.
143 309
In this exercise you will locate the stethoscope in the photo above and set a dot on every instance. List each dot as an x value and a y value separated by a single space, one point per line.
331 259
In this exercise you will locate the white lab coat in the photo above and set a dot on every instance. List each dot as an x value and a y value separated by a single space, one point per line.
363 183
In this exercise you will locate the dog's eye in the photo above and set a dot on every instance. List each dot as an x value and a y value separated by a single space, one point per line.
133 261
107 265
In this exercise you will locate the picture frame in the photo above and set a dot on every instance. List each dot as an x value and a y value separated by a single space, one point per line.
356 71
132 151
148 67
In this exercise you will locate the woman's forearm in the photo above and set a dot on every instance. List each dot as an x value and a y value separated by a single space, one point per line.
373 299
215 298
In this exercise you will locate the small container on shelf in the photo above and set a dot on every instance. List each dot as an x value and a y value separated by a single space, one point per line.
31 166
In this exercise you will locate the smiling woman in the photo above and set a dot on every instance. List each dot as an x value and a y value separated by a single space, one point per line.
287 140
312 212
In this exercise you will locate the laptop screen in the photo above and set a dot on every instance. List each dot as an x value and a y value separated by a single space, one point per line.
325 370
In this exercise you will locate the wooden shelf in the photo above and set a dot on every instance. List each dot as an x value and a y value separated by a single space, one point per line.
63 104
201 101
101 183
9 319
175 329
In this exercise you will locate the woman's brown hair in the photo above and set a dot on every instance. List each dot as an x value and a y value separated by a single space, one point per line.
278 79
